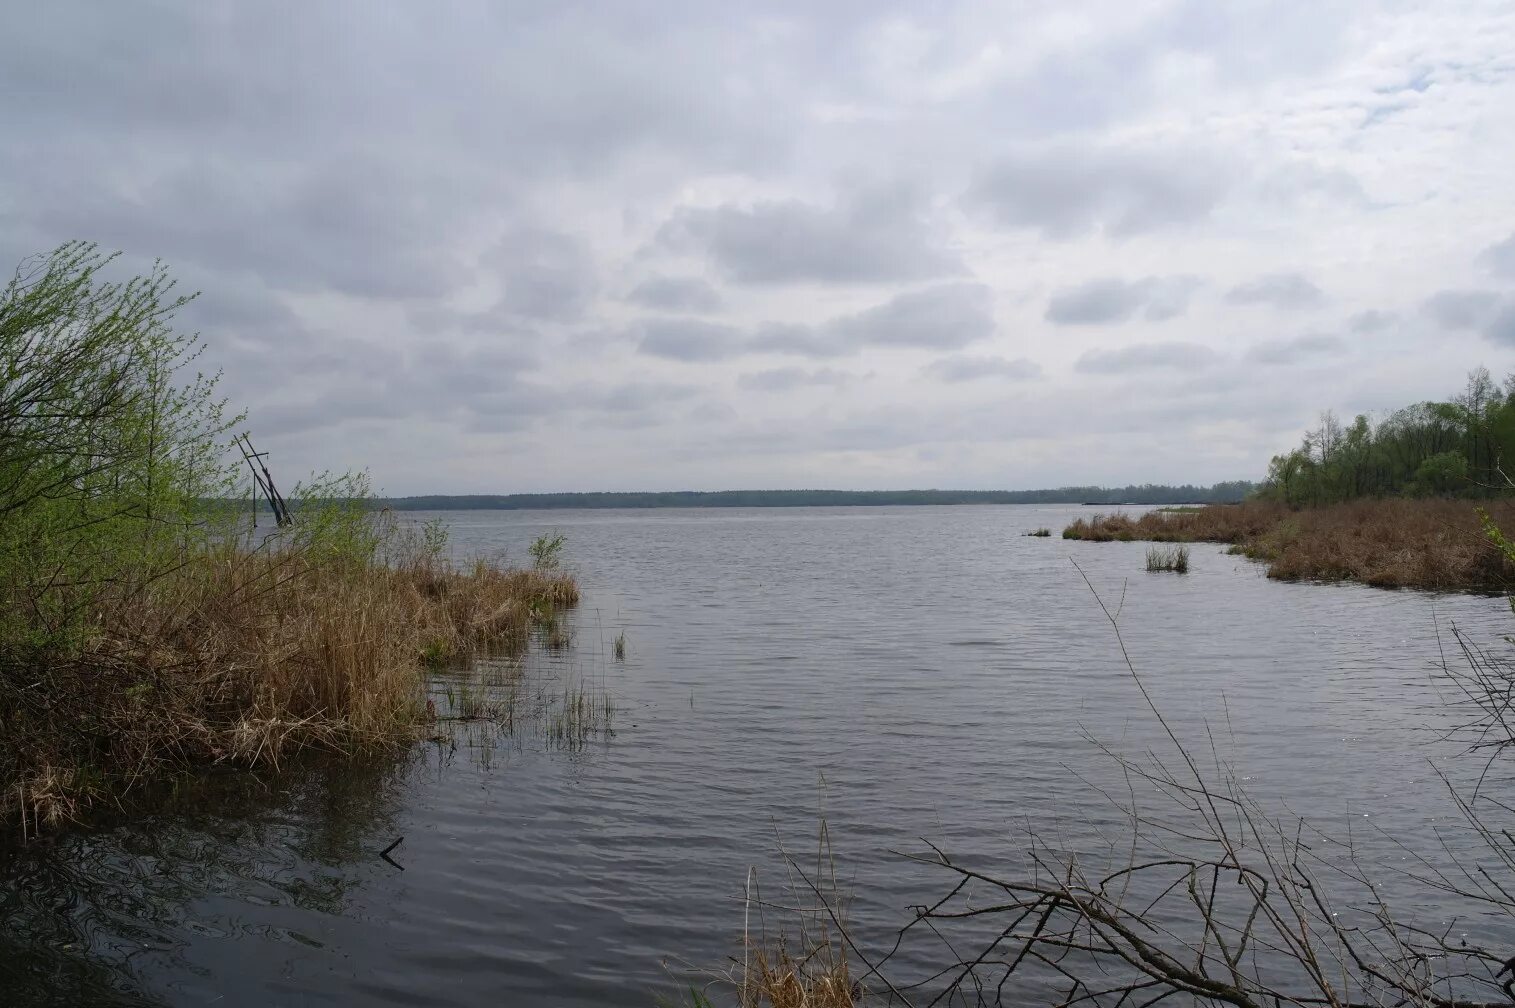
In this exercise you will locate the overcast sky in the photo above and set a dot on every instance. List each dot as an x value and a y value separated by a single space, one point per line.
484 247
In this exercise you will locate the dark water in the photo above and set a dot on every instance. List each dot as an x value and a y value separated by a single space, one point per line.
906 672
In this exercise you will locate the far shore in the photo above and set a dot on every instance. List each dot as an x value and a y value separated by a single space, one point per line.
1432 543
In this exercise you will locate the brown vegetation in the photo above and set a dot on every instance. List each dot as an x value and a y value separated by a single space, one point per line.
243 656
1436 544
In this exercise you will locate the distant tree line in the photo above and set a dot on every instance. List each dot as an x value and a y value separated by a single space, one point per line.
1146 494
1460 447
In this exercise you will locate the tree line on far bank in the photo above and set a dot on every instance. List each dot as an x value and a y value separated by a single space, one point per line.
1149 493
1456 448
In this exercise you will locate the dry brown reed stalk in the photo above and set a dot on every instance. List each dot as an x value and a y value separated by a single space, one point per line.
1428 543
243 656
797 953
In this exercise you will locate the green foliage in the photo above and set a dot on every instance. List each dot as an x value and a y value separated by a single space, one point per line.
111 444
1454 448
547 551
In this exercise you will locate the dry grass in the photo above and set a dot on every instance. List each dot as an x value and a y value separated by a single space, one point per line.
243 657
1435 544
795 952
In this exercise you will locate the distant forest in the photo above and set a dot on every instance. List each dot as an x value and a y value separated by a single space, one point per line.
1146 494
1459 448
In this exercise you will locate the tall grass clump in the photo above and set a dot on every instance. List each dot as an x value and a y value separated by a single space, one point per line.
144 628
1175 559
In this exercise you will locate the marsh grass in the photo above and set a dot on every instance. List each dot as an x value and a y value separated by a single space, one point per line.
1041 533
1175 559
1398 543
618 646
245 655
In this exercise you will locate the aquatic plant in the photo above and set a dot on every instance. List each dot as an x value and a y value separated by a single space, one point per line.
1175 560
1041 533
618 646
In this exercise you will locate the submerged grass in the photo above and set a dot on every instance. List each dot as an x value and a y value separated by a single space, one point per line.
243 656
1398 543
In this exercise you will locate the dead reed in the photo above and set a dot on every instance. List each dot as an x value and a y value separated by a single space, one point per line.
1398 543
243 656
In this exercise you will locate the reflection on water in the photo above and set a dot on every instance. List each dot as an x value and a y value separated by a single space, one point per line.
87 915
908 673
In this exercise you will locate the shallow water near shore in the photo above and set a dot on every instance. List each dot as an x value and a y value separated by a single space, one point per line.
906 673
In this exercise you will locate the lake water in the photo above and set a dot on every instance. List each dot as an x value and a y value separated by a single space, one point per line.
910 674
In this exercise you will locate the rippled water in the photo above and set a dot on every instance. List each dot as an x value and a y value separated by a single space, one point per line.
908 673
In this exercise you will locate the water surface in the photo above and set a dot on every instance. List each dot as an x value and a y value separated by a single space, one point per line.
906 673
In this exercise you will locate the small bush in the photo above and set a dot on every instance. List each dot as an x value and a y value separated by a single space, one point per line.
547 551
1041 533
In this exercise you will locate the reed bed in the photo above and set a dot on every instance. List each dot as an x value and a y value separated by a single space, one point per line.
1395 543
1175 560
244 656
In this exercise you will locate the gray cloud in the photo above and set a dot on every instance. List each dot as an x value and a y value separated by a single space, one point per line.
688 339
872 236
543 274
1065 190
1111 299
786 379
1499 258
802 340
1461 309
669 293
942 317
1501 328
1147 356
1370 321
1280 290
963 368
1292 351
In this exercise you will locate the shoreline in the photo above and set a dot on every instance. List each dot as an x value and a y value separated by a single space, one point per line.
1437 544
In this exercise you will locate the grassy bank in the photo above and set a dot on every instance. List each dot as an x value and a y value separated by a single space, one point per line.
145 627
243 656
1422 543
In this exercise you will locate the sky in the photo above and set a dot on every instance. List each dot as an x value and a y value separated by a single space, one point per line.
494 247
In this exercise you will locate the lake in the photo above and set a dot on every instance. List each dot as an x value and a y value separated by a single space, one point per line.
907 674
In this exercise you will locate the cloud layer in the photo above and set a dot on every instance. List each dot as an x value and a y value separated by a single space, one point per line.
513 247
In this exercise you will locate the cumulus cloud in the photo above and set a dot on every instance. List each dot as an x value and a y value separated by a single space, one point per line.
1461 309
1292 351
963 368
683 339
1499 258
944 317
1279 290
1371 321
1067 190
869 236
674 293
1177 356
542 274
1501 328
1111 299
785 379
